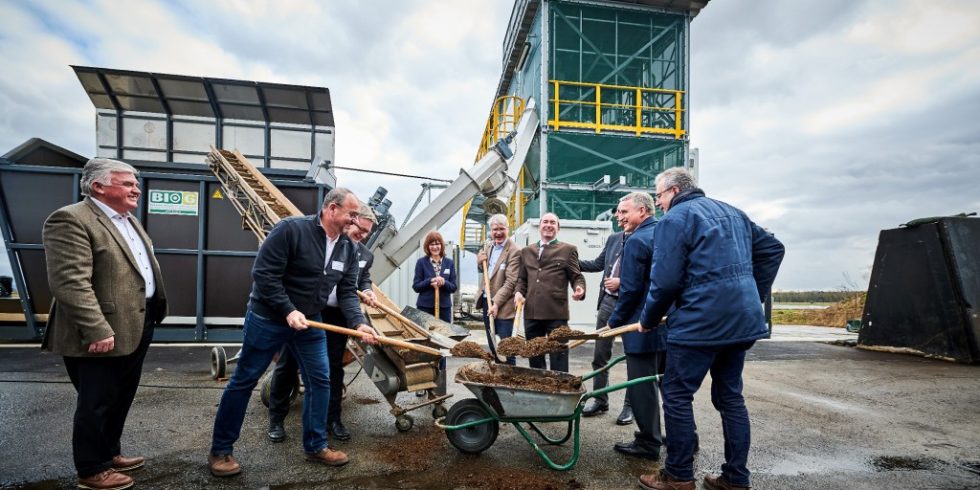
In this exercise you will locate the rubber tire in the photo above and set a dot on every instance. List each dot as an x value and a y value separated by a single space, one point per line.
476 439
265 389
404 423
219 362
439 410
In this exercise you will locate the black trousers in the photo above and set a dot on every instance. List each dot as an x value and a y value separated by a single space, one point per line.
540 328
645 397
285 379
106 388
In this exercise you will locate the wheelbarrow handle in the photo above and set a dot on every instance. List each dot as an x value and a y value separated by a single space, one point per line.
619 386
604 368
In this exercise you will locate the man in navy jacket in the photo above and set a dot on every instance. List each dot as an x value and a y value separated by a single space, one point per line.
300 262
715 267
644 351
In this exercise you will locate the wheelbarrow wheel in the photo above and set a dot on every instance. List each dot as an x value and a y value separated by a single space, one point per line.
471 440
439 411
219 362
404 423
265 389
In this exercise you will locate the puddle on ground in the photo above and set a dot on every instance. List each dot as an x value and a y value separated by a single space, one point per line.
904 463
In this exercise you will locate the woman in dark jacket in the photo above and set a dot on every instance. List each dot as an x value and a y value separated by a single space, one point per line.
435 271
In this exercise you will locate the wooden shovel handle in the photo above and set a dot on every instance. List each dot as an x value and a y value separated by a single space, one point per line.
575 343
633 327
486 292
405 321
384 340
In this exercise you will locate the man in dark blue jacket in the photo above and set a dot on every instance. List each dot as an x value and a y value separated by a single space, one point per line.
643 350
297 266
715 267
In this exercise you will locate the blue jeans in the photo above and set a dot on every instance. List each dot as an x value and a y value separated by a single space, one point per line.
686 369
263 339
504 328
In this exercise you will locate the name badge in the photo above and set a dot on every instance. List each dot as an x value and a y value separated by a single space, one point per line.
337 265
362 263
445 271
503 266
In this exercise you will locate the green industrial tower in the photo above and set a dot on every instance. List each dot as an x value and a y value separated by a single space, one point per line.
609 79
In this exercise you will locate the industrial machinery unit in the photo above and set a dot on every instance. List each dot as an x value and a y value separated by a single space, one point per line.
164 125
612 79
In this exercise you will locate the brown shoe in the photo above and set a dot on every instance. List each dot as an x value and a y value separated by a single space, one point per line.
328 457
718 482
107 480
124 463
663 481
223 465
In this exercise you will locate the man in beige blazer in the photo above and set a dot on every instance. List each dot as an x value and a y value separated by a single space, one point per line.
503 260
548 267
108 295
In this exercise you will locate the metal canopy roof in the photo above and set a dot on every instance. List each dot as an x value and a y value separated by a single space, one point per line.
124 90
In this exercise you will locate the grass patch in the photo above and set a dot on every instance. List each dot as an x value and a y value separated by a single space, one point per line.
836 315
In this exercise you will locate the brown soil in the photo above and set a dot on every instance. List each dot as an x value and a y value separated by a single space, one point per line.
564 332
541 346
543 382
470 349
508 479
416 449
360 400
511 346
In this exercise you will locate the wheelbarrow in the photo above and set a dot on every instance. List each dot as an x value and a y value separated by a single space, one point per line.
472 425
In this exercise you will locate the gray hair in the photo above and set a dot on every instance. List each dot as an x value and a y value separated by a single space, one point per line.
337 196
641 199
366 213
677 176
498 219
100 170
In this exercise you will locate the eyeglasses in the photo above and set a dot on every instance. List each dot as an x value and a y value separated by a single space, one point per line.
657 195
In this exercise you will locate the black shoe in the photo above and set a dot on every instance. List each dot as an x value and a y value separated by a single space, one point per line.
277 433
594 407
637 450
626 416
339 432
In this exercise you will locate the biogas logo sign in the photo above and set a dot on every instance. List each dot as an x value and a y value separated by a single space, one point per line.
182 203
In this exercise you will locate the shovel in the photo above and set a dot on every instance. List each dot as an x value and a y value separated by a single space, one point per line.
603 333
435 309
437 338
384 340
493 329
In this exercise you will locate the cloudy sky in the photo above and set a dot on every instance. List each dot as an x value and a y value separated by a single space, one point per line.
826 120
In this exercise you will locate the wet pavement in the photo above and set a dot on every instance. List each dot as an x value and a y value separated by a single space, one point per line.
823 415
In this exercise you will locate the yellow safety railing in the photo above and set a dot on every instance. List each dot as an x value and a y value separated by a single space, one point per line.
601 107
504 115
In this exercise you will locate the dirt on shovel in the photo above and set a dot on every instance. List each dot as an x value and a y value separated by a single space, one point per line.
467 348
541 346
563 333
511 346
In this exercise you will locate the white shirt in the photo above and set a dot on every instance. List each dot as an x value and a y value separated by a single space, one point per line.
332 299
136 245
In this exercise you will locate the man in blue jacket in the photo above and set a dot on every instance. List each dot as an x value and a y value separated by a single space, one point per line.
643 350
298 265
715 267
